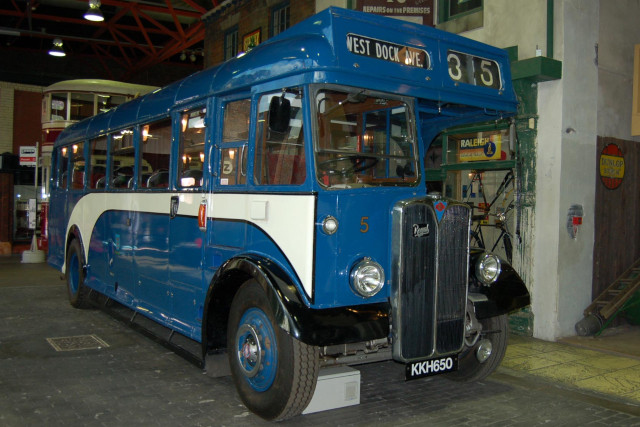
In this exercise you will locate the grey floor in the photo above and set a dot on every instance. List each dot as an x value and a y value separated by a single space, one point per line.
131 380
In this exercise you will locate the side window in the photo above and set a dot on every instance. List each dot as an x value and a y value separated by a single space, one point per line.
191 152
235 134
155 143
58 106
122 159
97 167
280 139
77 166
63 167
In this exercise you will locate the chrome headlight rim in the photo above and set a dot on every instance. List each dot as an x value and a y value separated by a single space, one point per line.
488 268
367 278
330 225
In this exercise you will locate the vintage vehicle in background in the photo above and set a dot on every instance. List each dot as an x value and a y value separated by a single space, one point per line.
277 208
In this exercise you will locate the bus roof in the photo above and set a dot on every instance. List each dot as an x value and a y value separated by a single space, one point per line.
351 48
99 86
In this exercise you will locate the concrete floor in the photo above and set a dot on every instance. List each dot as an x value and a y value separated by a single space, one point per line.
124 378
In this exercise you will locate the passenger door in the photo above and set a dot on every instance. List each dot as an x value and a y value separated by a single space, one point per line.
186 239
151 204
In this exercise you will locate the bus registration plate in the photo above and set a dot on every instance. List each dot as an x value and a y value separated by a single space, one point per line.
427 368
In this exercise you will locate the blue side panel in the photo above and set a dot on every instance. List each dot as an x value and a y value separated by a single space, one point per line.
151 259
364 224
57 226
98 261
120 254
188 286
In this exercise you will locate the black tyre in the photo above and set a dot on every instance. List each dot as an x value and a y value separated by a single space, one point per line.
76 289
469 368
275 374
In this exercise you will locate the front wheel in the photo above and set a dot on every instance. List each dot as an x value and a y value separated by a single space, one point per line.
275 374
470 368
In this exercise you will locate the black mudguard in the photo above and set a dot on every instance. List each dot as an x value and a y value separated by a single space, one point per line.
317 327
505 295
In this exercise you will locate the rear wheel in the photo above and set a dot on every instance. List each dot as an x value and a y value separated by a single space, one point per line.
77 291
494 337
275 374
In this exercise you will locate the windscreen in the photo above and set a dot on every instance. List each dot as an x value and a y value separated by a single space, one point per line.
364 140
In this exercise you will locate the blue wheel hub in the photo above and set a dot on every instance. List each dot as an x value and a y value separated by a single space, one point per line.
256 349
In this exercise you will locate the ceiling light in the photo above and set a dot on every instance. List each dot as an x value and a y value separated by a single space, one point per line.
56 49
183 56
192 57
94 13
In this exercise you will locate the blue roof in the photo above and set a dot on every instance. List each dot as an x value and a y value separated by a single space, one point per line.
316 50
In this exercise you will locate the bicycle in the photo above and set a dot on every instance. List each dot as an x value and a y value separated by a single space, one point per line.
499 214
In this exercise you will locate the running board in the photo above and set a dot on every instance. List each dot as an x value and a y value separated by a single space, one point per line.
183 346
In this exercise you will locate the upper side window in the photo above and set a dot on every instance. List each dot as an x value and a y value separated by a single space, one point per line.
155 143
280 139
235 134
78 165
61 173
279 18
82 106
107 102
123 159
191 151
58 106
97 167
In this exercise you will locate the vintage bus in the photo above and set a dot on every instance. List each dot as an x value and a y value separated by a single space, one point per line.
275 208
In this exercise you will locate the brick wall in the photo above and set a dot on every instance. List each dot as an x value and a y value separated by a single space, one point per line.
27 119
248 15
7 102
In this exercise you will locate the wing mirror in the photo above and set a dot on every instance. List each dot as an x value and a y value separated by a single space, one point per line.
279 113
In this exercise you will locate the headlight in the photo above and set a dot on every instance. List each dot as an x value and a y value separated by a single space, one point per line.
367 277
488 268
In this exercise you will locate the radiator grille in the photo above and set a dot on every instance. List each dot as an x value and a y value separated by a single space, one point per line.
429 279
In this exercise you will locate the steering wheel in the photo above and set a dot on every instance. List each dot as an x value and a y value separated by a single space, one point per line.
358 164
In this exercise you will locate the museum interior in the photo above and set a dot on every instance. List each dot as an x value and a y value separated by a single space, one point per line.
542 155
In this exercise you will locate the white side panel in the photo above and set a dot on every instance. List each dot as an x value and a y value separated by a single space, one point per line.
288 219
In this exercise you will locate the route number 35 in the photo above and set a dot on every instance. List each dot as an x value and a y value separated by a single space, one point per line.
473 70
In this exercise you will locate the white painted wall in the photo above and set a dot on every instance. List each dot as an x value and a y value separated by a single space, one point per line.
521 23
544 265
578 163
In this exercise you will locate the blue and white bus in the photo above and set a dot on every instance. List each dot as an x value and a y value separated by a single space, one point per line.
275 208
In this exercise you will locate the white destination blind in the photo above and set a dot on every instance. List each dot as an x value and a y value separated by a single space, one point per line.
387 51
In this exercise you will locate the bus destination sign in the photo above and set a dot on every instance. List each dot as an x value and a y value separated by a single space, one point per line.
387 51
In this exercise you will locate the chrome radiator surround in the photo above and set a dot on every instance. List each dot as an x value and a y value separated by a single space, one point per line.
430 265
